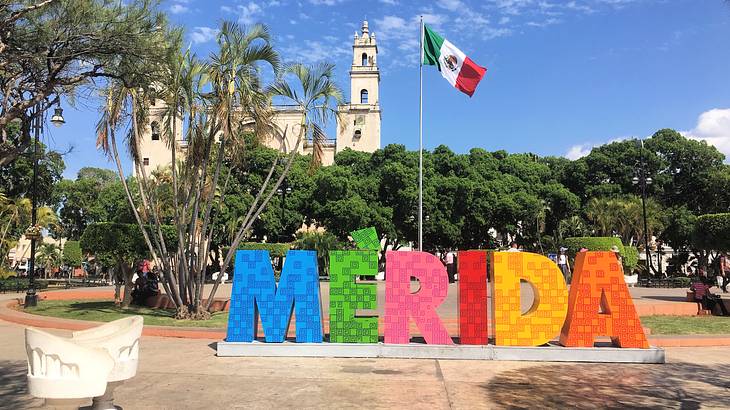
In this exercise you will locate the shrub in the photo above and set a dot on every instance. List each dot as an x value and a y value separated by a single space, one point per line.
629 254
593 244
322 243
276 250
6 273
712 232
72 255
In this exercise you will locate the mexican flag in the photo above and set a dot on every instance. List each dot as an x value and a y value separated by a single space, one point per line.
455 66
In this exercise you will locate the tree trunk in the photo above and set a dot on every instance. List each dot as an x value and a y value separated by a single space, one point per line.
128 274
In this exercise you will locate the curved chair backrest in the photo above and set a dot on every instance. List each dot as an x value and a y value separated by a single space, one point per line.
121 339
58 368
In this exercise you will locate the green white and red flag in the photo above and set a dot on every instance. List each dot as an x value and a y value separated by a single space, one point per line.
458 69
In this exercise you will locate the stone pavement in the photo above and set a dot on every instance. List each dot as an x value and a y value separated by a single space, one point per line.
186 374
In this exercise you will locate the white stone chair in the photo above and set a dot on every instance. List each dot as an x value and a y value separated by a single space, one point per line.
117 341
120 339
63 372
631 280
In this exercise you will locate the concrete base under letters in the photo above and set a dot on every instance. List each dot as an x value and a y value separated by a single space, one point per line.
551 353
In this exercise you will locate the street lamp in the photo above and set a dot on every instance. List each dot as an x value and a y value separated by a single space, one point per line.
31 298
643 181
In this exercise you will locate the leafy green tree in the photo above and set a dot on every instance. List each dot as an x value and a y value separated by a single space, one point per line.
121 247
16 178
48 256
72 255
50 48
712 232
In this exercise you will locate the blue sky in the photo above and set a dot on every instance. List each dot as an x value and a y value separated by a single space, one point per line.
562 75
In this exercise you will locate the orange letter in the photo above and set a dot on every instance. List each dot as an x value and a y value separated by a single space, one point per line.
543 321
598 281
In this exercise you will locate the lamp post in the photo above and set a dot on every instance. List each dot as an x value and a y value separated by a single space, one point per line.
642 181
31 298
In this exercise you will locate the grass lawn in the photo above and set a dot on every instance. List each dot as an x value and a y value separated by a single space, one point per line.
106 311
687 325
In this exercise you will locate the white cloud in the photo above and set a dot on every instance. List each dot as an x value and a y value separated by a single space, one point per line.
178 8
581 150
203 34
389 2
248 13
578 151
313 51
325 2
713 126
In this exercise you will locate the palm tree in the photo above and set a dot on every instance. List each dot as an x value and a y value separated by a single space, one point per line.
218 100
49 256
316 94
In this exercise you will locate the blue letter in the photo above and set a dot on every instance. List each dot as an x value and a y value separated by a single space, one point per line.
254 286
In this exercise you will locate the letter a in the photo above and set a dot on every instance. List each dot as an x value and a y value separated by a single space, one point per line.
543 321
598 282
400 303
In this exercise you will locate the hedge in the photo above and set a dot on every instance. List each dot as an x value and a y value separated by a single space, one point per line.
593 244
629 254
712 232
275 249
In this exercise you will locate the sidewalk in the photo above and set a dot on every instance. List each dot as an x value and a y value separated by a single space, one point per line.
186 374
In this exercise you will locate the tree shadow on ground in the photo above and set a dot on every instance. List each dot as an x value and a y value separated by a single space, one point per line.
673 385
13 386
110 307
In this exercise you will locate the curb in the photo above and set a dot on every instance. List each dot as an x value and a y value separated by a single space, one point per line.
8 314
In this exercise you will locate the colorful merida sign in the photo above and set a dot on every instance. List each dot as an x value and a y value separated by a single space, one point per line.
597 304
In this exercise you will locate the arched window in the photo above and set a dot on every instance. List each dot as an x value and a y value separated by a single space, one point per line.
364 59
363 96
155 130
357 135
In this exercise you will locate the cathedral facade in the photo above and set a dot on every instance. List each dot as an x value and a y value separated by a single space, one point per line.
358 123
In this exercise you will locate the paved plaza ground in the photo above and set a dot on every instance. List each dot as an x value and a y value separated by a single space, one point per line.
179 373
186 374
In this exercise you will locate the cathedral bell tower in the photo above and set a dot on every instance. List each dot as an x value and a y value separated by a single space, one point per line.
358 127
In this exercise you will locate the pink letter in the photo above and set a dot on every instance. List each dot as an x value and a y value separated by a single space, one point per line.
400 303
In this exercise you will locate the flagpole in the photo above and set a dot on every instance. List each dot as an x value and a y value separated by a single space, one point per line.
420 146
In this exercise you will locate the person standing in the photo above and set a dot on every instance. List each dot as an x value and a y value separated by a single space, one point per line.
724 272
563 265
451 266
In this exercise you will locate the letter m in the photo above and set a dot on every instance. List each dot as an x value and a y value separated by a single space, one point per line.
255 290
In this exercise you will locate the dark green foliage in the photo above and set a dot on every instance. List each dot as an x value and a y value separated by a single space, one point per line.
630 257
276 250
322 243
52 48
712 232
592 244
72 255
16 178
113 243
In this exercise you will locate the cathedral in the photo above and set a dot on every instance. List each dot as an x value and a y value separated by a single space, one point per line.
358 125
